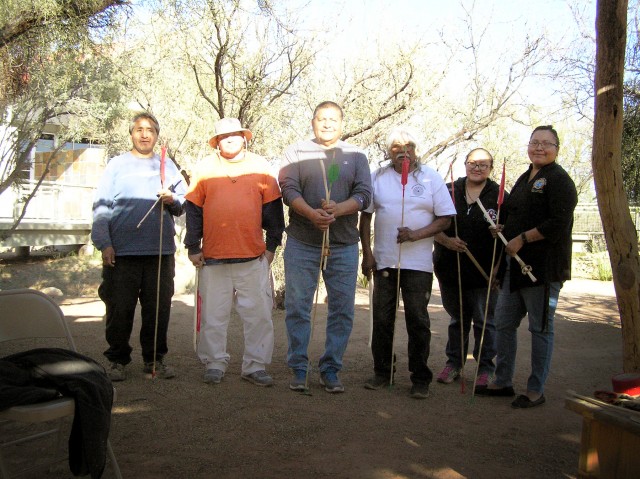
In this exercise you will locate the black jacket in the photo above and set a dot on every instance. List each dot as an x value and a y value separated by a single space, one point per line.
546 203
473 228
44 374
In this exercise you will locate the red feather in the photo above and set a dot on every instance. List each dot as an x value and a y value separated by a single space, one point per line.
405 171
163 154
501 191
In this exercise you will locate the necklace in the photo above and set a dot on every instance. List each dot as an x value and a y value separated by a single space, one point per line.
470 200
224 164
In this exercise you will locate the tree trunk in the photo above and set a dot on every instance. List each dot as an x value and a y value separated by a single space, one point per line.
619 231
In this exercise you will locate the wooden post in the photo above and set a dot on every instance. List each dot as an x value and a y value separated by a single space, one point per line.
619 232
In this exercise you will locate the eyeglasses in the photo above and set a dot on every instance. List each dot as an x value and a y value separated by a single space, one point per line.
544 144
472 165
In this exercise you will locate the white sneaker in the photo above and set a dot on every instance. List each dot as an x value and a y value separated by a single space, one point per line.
116 372
259 378
213 376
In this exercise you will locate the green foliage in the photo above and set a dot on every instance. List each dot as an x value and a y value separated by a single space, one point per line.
602 267
631 116
594 263
631 144
363 281
55 77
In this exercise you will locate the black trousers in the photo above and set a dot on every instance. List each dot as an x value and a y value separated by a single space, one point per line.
416 291
133 279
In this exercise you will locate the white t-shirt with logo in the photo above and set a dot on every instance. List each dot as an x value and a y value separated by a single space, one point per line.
425 198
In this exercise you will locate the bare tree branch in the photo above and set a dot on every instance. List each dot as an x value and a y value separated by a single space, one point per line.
375 121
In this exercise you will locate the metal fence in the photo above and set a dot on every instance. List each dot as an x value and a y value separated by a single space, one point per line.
55 202
587 221
59 214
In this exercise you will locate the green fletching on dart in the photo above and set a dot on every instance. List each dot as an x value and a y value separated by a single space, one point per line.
333 173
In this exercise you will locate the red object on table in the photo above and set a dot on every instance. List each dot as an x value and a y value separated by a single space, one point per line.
627 383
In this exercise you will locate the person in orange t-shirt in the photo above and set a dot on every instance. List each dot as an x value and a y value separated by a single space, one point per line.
233 199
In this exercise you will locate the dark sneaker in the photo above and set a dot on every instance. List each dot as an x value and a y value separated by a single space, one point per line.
506 391
448 375
116 372
299 381
331 382
213 376
377 382
523 402
163 371
259 378
419 391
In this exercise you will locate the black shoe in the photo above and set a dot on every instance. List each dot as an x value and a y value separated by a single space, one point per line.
377 382
523 402
419 391
500 392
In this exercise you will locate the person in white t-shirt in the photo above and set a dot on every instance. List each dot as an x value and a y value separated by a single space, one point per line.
403 242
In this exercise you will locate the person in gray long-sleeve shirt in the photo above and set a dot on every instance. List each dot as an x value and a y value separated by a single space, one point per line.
308 170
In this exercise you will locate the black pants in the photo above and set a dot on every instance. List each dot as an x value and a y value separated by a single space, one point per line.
135 278
416 290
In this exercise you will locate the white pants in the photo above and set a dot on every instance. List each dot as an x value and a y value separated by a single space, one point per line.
253 303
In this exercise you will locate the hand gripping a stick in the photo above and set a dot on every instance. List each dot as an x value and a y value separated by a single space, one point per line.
526 269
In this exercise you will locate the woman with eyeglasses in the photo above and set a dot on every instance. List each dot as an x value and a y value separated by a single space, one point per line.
538 224
473 240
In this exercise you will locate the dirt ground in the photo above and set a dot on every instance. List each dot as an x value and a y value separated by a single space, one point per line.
183 428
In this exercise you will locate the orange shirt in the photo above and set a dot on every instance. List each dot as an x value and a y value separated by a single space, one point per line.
231 195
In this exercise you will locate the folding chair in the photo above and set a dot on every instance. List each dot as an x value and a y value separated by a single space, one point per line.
27 314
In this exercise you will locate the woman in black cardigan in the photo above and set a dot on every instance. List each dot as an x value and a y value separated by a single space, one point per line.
538 221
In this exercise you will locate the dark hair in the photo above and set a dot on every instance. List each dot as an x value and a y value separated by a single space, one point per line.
328 104
466 158
147 116
547 128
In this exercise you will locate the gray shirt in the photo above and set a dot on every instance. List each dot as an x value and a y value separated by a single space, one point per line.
301 176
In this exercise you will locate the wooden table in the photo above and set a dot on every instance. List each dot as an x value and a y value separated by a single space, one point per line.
610 443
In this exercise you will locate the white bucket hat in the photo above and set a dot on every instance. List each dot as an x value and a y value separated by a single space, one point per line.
229 125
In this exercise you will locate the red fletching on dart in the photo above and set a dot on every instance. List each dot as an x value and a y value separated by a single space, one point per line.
405 170
501 191
199 312
163 155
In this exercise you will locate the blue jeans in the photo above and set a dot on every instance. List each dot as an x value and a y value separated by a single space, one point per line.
510 310
473 306
416 291
301 269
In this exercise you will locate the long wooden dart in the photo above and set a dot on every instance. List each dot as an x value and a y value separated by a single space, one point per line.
403 180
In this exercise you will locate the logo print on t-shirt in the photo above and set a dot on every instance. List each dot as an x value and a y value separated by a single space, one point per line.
417 190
